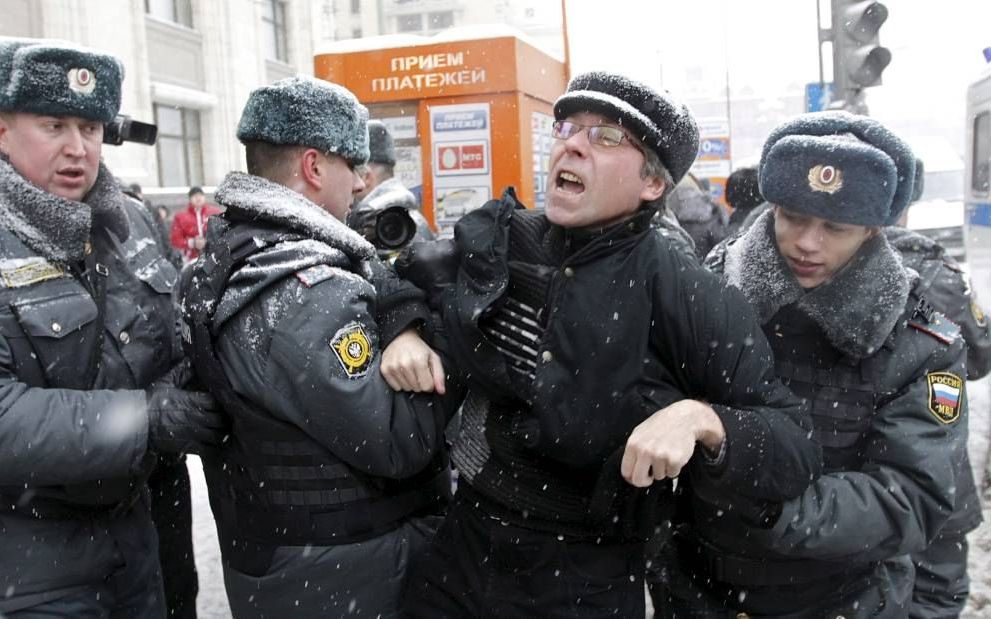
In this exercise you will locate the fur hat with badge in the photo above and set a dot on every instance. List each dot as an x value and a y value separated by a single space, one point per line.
303 111
838 166
381 146
57 78
662 124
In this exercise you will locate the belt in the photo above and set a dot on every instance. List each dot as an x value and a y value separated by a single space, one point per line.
757 572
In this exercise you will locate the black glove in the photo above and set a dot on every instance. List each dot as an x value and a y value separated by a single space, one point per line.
181 421
431 265
362 219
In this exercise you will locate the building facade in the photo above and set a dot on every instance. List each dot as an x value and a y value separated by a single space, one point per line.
189 67
340 20
190 64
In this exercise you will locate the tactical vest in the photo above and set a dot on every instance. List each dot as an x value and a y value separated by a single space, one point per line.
842 392
271 484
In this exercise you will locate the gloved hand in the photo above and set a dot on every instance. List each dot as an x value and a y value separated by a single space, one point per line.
361 219
431 265
181 421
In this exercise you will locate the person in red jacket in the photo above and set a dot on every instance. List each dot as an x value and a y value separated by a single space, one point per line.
189 226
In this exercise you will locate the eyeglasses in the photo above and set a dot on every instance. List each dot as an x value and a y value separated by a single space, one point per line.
601 135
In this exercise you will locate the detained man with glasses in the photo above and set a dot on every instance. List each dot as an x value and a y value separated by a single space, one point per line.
599 359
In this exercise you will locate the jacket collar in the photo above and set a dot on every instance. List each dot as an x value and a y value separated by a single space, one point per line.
857 309
581 244
255 198
55 227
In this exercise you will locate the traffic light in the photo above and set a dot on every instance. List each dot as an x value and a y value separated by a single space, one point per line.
858 58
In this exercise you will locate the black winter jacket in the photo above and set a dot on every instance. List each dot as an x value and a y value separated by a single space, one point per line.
299 333
631 326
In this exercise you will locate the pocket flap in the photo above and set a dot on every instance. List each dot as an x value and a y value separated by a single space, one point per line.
55 316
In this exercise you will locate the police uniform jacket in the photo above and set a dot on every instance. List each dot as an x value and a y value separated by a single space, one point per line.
300 330
884 376
572 338
86 323
942 282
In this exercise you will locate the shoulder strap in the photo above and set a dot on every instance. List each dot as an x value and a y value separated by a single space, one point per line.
227 253
924 317
96 275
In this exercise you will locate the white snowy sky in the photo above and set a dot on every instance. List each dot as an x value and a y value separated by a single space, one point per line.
770 46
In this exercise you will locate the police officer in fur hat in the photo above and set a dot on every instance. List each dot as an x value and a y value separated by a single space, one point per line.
882 370
941 581
332 478
383 191
86 348
589 343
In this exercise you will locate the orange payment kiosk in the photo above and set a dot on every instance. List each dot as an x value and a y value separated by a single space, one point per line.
469 117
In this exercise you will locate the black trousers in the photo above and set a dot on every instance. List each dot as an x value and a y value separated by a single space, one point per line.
171 510
478 566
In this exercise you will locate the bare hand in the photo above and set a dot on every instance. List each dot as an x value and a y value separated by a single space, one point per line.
408 364
662 445
199 243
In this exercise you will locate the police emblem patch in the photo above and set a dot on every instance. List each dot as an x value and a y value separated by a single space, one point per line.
82 81
353 350
825 178
17 273
945 393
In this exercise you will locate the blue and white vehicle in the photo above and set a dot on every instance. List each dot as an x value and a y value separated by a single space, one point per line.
977 183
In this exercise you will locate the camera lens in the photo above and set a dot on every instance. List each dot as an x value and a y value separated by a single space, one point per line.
394 227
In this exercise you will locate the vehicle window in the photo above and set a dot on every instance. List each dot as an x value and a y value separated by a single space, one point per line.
982 153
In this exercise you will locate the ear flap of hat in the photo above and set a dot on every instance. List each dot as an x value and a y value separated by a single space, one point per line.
381 146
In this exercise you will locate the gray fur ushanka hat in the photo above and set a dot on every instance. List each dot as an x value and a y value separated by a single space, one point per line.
57 78
381 146
303 111
662 124
837 166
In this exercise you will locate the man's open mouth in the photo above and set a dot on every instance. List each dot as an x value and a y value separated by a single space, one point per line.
570 182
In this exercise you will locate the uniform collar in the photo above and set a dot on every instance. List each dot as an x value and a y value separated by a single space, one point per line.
252 197
57 228
857 309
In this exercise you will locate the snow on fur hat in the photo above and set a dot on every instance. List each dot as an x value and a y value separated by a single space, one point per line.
837 166
381 147
57 78
303 111
663 125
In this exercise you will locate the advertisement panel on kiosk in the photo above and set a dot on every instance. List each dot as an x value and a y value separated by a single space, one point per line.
470 117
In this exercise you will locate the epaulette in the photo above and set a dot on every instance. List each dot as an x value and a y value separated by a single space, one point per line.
315 274
20 272
925 318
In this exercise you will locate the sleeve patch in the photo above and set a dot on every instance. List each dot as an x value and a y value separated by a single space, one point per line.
353 350
315 274
945 393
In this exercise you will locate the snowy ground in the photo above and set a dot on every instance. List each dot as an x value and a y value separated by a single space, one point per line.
212 601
